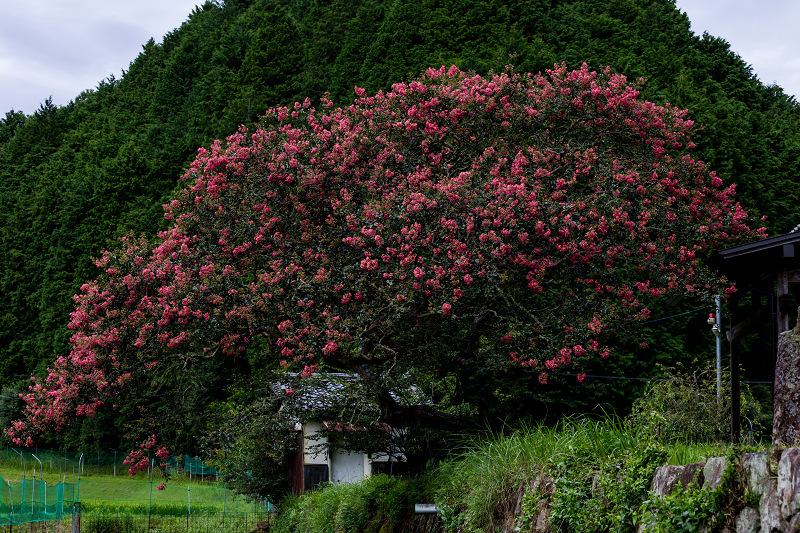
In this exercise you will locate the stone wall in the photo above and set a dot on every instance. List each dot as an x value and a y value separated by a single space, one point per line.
769 486
786 422
763 493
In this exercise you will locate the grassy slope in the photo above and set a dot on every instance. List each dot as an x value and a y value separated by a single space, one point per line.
104 491
481 487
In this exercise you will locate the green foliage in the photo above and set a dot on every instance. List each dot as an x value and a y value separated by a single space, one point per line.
605 495
589 476
377 504
662 410
74 178
691 509
480 488
686 510
123 524
251 446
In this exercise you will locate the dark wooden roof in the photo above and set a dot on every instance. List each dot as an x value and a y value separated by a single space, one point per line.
760 258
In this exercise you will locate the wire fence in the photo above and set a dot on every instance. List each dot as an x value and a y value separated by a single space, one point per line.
53 491
123 504
32 500
112 523
66 463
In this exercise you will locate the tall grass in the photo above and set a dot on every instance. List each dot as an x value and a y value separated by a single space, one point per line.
183 524
489 474
489 478
482 485
684 453
378 503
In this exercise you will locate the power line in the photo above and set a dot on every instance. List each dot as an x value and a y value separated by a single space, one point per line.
630 378
679 314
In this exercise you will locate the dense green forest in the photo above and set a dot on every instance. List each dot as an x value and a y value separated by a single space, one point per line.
75 178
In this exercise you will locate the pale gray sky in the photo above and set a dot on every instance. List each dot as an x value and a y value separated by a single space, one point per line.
63 47
763 32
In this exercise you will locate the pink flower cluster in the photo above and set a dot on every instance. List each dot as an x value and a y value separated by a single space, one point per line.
138 460
548 210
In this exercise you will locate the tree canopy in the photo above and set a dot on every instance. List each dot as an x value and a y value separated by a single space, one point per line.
73 179
454 224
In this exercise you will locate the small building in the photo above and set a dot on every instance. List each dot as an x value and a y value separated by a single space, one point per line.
318 458
766 274
317 461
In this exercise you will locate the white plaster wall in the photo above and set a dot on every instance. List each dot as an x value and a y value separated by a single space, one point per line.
311 456
347 467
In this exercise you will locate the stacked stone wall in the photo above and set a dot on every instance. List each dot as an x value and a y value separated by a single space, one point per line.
762 489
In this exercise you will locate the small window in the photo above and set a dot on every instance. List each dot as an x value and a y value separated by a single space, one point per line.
390 468
313 475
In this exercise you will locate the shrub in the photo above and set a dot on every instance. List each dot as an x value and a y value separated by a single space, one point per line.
120 524
379 503
661 411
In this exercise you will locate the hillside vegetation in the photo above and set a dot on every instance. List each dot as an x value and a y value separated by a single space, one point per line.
75 178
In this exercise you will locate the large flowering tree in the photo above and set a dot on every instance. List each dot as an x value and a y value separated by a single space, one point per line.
527 219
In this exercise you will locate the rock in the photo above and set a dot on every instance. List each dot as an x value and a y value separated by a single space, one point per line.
794 524
667 477
786 417
770 511
713 472
775 458
692 474
543 521
755 467
789 482
748 521
542 486
664 479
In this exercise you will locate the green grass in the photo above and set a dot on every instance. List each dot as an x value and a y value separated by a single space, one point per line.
376 504
480 487
488 473
104 493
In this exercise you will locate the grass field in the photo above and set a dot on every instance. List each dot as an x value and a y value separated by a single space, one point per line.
111 500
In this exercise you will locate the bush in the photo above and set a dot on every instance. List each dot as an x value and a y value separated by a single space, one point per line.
695 509
480 490
663 412
120 524
378 503
592 496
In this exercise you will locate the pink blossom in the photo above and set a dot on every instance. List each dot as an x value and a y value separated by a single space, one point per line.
326 230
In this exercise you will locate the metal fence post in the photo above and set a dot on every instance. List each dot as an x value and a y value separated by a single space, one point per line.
150 504
76 517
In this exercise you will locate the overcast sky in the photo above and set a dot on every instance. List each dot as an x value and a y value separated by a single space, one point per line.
63 47
59 48
764 33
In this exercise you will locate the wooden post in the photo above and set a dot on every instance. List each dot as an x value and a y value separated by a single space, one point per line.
783 292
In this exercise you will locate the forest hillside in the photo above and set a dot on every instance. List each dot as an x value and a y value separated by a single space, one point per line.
73 179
